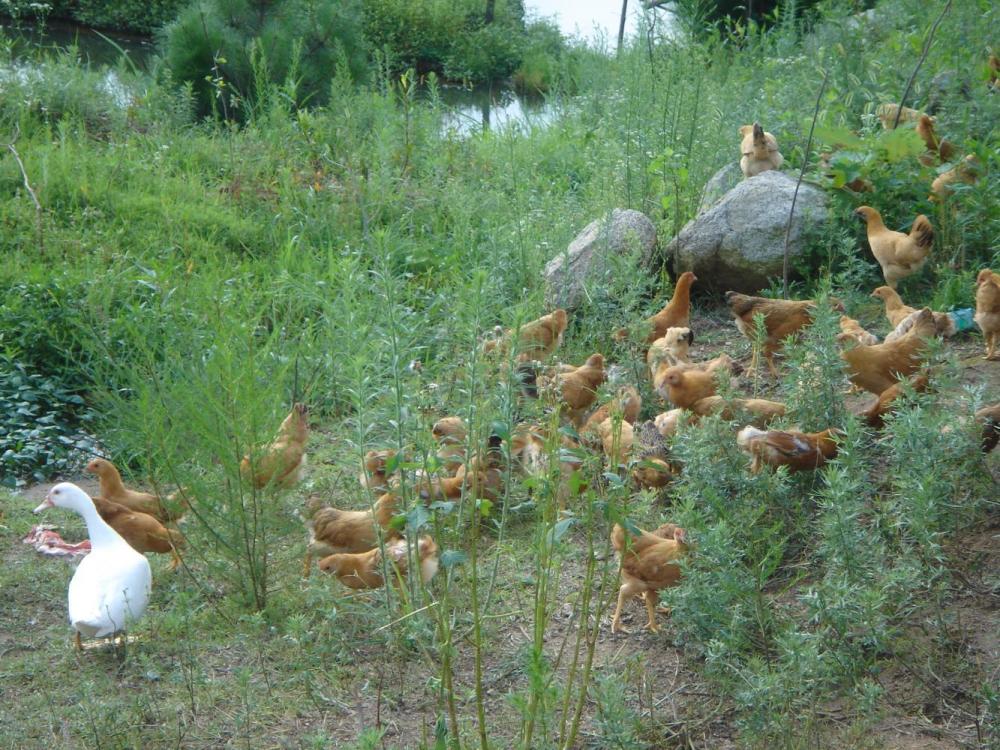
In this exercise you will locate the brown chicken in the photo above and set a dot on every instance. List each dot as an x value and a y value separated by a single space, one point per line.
671 348
988 309
782 318
944 326
898 313
762 411
758 151
375 476
332 530
938 149
994 66
887 115
989 418
532 445
576 389
850 328
143 532
651 462
799 451
875 414
450 433
966 171
667 423
900 255
876 368
648 564
282 461
683 387
113 490
535 340
627 403
895 310
675 314
363 570
485 471
616 440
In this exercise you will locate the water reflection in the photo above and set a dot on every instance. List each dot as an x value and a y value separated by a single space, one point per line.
474 110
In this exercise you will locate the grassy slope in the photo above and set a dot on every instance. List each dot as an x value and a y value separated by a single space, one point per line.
346 243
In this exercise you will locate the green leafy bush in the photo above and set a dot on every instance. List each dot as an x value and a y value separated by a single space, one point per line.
231 51
40 421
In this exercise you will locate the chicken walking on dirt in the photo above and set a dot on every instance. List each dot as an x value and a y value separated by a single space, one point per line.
648 564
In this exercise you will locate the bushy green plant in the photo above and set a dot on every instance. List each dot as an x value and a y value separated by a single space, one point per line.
40 426
232 51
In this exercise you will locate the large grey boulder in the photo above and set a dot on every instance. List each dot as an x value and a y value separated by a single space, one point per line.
586 259
720 183
739 242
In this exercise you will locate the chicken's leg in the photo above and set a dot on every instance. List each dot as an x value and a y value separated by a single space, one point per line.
651 600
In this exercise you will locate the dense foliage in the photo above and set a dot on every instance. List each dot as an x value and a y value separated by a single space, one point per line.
134 16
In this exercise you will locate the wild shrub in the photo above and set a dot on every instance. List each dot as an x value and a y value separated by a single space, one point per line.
230 52
41 426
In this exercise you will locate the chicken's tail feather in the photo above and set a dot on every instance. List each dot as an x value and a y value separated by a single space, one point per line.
922 232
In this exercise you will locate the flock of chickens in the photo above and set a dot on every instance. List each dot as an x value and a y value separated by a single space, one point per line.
361 547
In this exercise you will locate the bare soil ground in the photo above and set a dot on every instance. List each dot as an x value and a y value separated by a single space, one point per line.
200 676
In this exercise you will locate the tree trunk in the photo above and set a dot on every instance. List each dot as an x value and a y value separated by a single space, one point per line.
621 26
490 11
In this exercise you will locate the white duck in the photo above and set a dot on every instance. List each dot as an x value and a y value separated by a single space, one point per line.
111 585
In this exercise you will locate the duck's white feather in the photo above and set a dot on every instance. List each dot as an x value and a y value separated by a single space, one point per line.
108 592
111 586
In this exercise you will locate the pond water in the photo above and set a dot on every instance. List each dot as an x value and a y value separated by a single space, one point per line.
469 109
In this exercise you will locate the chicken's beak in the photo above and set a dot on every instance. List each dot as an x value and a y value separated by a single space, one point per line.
46 503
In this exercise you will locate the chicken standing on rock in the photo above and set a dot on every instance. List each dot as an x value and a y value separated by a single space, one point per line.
648 564
115 491
282 461
988 309
782 318
758 151
876 368
900 255
799 451
332 530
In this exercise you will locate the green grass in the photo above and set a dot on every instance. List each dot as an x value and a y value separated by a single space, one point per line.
197 278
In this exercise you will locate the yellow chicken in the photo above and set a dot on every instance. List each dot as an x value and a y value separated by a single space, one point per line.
988 309
900 255
648 564
758 151
283 460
